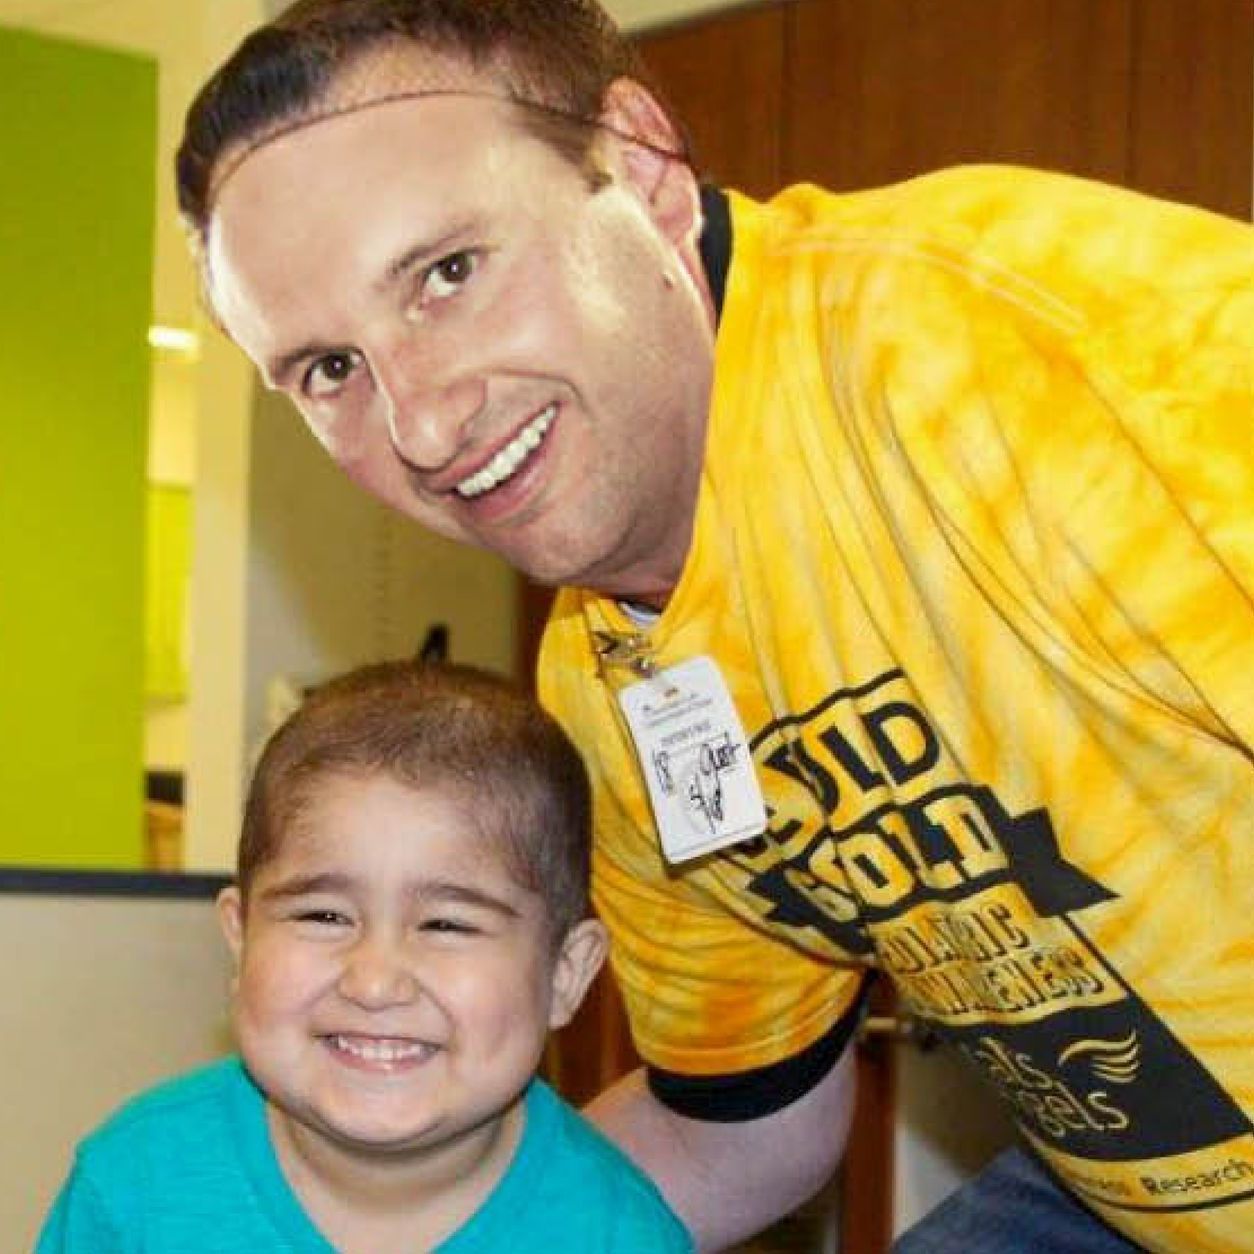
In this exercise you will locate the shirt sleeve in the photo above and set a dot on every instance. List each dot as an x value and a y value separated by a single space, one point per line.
649 1231
759 1091
708 992
80 1221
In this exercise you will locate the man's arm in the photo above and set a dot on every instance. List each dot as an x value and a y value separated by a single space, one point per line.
729 1180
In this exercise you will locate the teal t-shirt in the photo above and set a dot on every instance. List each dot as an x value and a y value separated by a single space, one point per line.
189 1168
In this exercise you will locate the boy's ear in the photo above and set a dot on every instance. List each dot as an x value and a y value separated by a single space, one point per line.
654 164
582 952
230 909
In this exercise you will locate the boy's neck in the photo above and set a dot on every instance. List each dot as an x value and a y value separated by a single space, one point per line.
377 1203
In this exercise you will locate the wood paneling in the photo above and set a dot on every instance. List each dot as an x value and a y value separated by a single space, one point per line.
885 90
866 1175
1193 101
534 603
725 78
595 1048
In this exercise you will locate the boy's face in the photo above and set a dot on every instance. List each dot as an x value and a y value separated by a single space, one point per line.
475 335
395 985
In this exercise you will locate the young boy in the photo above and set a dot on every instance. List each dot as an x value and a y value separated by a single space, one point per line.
409 920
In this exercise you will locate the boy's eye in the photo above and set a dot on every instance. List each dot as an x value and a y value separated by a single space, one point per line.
329 374
326 918
453 927
448 274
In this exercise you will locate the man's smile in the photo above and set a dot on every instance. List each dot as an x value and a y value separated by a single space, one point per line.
508 460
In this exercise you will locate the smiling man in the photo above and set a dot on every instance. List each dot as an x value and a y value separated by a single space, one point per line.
906 547
501 367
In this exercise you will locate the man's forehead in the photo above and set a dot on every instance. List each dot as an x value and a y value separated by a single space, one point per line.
328 208
390 73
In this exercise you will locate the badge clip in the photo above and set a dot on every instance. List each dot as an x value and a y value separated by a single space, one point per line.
634 651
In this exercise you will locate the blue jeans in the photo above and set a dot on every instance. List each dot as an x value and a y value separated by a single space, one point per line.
1012 1207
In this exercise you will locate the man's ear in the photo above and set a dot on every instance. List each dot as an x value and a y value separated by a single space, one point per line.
230 909
652 156
578 960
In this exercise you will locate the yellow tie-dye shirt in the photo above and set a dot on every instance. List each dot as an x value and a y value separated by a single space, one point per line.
974 551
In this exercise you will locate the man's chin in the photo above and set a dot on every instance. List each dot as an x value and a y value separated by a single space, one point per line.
547 570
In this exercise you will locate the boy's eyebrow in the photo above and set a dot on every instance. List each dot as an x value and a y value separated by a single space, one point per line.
436 890
304 885
461 894
276 370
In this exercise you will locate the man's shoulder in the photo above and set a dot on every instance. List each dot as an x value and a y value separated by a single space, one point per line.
1044 239
971 194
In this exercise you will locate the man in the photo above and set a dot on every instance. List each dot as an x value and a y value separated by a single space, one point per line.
924 512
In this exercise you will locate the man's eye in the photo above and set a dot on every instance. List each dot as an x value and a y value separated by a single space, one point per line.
448 274
328 374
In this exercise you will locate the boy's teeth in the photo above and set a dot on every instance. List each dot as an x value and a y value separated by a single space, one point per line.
510 458
380 1050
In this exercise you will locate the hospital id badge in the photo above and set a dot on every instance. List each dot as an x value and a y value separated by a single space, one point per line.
695 759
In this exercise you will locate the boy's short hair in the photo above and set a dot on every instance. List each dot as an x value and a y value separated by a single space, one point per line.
444 726
558 56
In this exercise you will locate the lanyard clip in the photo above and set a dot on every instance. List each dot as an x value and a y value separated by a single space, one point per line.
634 651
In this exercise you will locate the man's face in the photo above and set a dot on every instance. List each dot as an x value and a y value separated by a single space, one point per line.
395 984
476 334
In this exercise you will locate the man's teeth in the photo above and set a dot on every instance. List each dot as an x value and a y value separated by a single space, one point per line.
508 460
381 1051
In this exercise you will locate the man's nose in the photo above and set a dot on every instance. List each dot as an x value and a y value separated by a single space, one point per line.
378 972
430 402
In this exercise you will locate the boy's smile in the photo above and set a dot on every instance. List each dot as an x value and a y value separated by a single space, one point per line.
373 1053
395 985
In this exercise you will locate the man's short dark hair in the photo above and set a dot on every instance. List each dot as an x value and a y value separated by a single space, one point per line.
558 56
446 727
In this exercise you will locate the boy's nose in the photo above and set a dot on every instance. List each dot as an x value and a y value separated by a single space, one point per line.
377 974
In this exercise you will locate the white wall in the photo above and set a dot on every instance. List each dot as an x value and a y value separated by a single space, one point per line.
216 754
636 15
102 997
336 579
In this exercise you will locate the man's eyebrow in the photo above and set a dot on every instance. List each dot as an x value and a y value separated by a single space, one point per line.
426 250
277 369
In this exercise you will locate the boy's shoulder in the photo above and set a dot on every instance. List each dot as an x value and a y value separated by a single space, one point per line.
588 1147
185 1165
183 1108
580 1190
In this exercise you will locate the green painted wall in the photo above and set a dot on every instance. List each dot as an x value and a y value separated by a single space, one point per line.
77 144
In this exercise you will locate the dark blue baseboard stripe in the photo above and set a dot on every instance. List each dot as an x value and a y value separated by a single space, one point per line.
67 882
